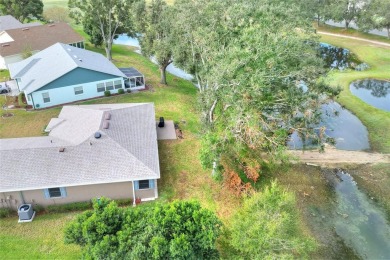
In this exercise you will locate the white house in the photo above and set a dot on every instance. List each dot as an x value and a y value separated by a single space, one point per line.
63 74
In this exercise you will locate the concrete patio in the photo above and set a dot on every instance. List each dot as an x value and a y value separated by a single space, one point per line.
167 132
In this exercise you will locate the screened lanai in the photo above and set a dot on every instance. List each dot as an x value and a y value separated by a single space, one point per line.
135 79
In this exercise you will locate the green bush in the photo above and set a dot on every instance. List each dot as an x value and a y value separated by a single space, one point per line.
75 206
5 212
107 93
121 91
124 202
20 99
38 208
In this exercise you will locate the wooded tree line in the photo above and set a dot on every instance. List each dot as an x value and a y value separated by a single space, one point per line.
367 14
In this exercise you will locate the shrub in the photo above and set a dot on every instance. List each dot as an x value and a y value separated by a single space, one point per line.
128 90
121 91
75 206
20 99
107 93
38 208
5 212
124 202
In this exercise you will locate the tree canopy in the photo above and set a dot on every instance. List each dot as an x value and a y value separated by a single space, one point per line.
103 20
22 9
266 227
375 15
177 230
154 23
250 59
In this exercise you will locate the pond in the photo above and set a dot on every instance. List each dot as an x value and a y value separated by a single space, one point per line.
374 92
359 221
130 41
347 130
340 58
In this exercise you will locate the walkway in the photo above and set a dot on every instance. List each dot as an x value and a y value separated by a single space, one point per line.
334 156
355 38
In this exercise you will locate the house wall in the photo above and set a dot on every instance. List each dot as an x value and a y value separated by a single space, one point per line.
121 190
61 91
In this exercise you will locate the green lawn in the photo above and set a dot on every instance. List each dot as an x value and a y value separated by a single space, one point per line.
52 3
378 57
40 239
182 176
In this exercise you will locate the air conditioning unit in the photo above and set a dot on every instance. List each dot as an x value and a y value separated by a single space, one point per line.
26 213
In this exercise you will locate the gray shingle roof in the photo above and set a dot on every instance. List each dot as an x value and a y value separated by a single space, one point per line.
8 22
131 72
54 62
126 151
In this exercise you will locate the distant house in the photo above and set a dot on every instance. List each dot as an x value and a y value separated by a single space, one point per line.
18 39
62 74
91 151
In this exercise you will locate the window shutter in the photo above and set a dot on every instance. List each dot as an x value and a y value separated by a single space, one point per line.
136 185
151 184
46 192
63 192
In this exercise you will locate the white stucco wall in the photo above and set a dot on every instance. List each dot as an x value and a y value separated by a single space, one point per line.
66 94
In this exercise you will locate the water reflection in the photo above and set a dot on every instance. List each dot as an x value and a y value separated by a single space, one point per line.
345 128
359 222
373 92
339 58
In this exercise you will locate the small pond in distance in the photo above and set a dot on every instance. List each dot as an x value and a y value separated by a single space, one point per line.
347 130
372 91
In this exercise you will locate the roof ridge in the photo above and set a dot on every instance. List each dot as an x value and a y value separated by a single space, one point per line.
128 152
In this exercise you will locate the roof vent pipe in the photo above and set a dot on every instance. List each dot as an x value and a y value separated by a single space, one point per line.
107 116
62 149
98 135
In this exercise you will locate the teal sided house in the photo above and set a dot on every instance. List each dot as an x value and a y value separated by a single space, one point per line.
63 74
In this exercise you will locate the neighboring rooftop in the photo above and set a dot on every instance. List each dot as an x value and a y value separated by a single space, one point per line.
126 151
8 22
131 72
38 37
54 62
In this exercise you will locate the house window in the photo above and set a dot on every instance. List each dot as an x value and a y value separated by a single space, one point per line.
46 97
144 184
109 85
132 82
100 87
78 90
55 193
118 84
140 81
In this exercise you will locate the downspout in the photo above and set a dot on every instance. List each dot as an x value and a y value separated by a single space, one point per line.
155 189
32 99
133 194
22 197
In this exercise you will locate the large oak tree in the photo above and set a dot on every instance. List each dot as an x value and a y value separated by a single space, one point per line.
22 9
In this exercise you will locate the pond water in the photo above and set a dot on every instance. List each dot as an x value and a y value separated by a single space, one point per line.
340 58
359 221
374 92
347 130
130 41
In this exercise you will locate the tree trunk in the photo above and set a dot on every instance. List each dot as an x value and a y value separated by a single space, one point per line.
346 24
388 32
163 70
108 50
318 20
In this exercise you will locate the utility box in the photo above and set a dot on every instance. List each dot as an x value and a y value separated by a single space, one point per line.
26 213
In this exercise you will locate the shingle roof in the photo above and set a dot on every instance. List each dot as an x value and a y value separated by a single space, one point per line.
9 22
126 151
54 62
38 38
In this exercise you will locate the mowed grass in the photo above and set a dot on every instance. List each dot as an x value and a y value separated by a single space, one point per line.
40 239
378 57
52 3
